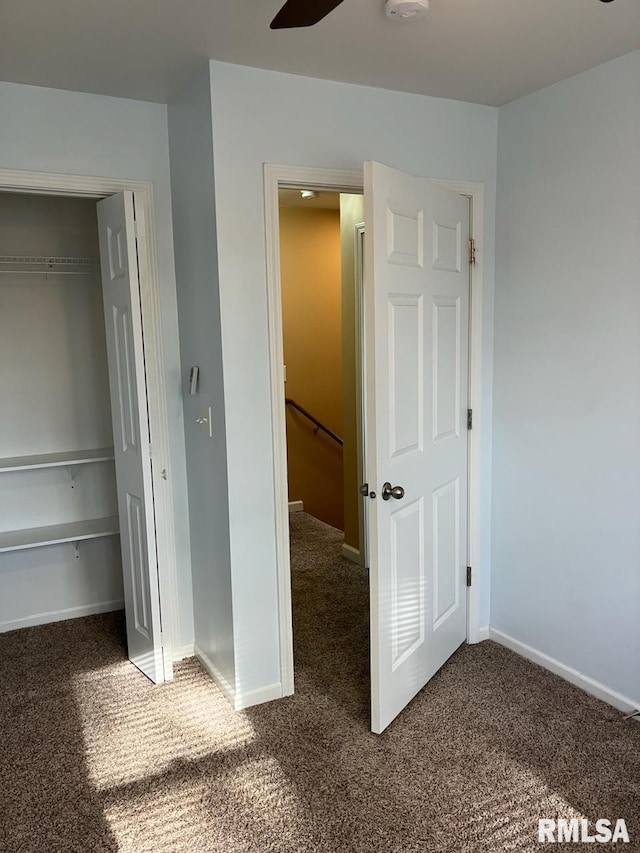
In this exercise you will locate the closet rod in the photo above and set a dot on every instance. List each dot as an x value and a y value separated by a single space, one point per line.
50 272
44 265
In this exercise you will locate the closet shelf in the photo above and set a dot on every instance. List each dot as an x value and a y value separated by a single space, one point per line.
75 531
56 460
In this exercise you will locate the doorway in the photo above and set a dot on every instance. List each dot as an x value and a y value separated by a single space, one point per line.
65 351
313 353
321 286
320 239
406 231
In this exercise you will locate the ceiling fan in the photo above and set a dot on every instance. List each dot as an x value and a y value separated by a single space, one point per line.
306 13
302 13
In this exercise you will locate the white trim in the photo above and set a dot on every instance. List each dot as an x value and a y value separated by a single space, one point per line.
353 554
296 506
302 176
276 176
482 634
240 700
361 390
573 676
208 665
475 191
257 697
99 187
184 652
61 615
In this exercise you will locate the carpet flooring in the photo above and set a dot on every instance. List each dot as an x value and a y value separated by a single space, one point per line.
95 759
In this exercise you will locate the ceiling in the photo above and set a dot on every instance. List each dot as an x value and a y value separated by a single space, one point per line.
323 200
485 51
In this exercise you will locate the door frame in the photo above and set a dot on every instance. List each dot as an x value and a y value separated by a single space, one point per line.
361 390
278 177
85 186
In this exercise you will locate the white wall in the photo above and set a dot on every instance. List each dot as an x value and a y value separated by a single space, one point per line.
566 537
192 184
54 131
263 116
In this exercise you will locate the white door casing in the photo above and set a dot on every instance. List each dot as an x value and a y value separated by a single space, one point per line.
416 351
127 382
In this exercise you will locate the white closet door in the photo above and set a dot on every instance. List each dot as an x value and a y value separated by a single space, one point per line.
417 293
123 321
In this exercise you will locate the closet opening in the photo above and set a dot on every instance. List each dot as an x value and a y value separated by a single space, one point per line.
77 517
321 270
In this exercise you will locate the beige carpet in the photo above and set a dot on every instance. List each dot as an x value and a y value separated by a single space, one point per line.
94 759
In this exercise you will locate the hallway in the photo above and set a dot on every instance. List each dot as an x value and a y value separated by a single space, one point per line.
330 620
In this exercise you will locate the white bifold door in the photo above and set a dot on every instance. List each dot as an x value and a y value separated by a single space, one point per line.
127 383
416 354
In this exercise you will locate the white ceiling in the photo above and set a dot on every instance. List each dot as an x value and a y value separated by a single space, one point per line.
486 51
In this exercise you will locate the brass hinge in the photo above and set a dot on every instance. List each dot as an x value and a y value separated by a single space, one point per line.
469 418
468 575
472 250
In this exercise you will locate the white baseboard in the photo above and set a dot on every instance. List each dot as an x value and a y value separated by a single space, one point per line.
226 689
296 506
248 698
480 635
61 615
579 679
353 554
183 652
242 699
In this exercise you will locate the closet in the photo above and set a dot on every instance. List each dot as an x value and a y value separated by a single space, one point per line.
59 544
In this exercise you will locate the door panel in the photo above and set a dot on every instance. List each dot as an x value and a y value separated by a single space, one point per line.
127 381
416 345
446 367
407 581
446 552
125 377
406 405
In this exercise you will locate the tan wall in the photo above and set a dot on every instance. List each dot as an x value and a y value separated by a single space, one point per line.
351 213
312 326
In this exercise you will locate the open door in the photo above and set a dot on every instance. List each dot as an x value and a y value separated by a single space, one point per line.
416 351
127 383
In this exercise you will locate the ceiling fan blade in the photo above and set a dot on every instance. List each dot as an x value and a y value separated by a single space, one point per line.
302 13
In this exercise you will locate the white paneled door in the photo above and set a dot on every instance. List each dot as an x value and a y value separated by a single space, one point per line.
416 342
127 382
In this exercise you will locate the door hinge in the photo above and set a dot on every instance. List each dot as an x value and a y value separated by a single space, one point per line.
468 575
472 250
469 418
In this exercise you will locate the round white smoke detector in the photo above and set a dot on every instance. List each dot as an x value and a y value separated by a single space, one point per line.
405 10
